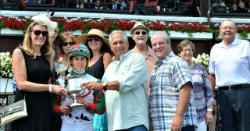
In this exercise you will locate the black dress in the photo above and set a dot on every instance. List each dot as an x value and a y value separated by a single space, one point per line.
39 105
97 70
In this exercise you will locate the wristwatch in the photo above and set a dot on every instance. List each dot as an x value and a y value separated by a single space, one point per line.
104 86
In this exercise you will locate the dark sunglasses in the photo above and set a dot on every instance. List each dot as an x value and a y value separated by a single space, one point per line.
140 32
38 32
68 43
93 38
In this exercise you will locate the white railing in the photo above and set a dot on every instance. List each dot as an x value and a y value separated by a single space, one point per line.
173 34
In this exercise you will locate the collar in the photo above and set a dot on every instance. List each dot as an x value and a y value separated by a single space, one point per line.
234 43
168 56
75 73
122 56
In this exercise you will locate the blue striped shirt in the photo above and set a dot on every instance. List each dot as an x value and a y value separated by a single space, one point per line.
168 76
203 93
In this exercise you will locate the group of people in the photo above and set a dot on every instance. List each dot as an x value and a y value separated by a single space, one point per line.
235 6
145 88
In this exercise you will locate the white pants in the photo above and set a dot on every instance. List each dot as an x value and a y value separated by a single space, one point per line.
72 124
202 126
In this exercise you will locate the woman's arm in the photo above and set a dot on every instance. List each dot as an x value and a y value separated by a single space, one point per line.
20 73
107 59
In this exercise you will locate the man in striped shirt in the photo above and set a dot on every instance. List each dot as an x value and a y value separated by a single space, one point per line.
171 104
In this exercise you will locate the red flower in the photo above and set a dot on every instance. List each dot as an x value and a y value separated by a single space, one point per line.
108 25
124 24
156 26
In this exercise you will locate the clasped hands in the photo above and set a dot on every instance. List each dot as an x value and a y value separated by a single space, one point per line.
59 90
66 109
93 85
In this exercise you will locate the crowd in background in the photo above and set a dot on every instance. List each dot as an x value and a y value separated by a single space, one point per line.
146 88
146 7
231 6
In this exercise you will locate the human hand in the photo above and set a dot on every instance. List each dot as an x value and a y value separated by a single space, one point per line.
81 100
65 109
94 85
215 105
209 117
59 90
177 123
83 84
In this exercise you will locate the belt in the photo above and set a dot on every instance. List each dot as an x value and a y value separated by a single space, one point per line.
234 87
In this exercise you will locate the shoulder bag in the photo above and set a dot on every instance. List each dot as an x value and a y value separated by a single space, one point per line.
13 112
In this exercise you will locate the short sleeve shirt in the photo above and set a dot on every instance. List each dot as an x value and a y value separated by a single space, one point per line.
168 76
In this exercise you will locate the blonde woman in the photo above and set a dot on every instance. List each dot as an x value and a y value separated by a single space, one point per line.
66 40
31 67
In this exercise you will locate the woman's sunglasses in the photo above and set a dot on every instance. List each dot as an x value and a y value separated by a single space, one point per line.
38 32
140 32
93 38
68 43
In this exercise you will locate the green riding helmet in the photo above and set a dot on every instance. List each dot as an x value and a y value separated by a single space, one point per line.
79 50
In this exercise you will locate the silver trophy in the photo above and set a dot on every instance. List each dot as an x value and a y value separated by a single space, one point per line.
74 87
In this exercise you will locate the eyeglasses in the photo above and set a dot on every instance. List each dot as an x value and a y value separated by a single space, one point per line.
227 27
187 50
68 43
140 32
38 32
93 38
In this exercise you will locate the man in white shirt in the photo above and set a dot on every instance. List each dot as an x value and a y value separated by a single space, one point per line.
229 69
124 82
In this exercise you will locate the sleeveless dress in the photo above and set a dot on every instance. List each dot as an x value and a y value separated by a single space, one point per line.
39 106
100 122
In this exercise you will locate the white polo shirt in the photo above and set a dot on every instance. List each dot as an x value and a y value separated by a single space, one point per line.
231 65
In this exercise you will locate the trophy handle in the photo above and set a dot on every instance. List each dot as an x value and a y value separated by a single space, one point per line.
75 102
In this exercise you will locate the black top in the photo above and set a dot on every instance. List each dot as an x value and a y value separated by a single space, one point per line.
39 105
97 70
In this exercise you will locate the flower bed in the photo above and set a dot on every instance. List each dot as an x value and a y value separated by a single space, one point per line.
107 25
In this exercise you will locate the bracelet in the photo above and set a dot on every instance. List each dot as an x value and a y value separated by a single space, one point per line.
209 110
104 86
50 88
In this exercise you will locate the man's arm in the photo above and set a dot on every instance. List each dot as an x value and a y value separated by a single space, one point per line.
132 78
134 75
184 98
212 80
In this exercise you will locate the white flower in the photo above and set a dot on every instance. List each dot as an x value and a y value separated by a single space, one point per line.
202 59
5 65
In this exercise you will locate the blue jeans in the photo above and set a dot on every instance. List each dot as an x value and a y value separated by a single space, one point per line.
235 109
136 128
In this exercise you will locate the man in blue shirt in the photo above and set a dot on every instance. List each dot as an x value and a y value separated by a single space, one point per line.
171 104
